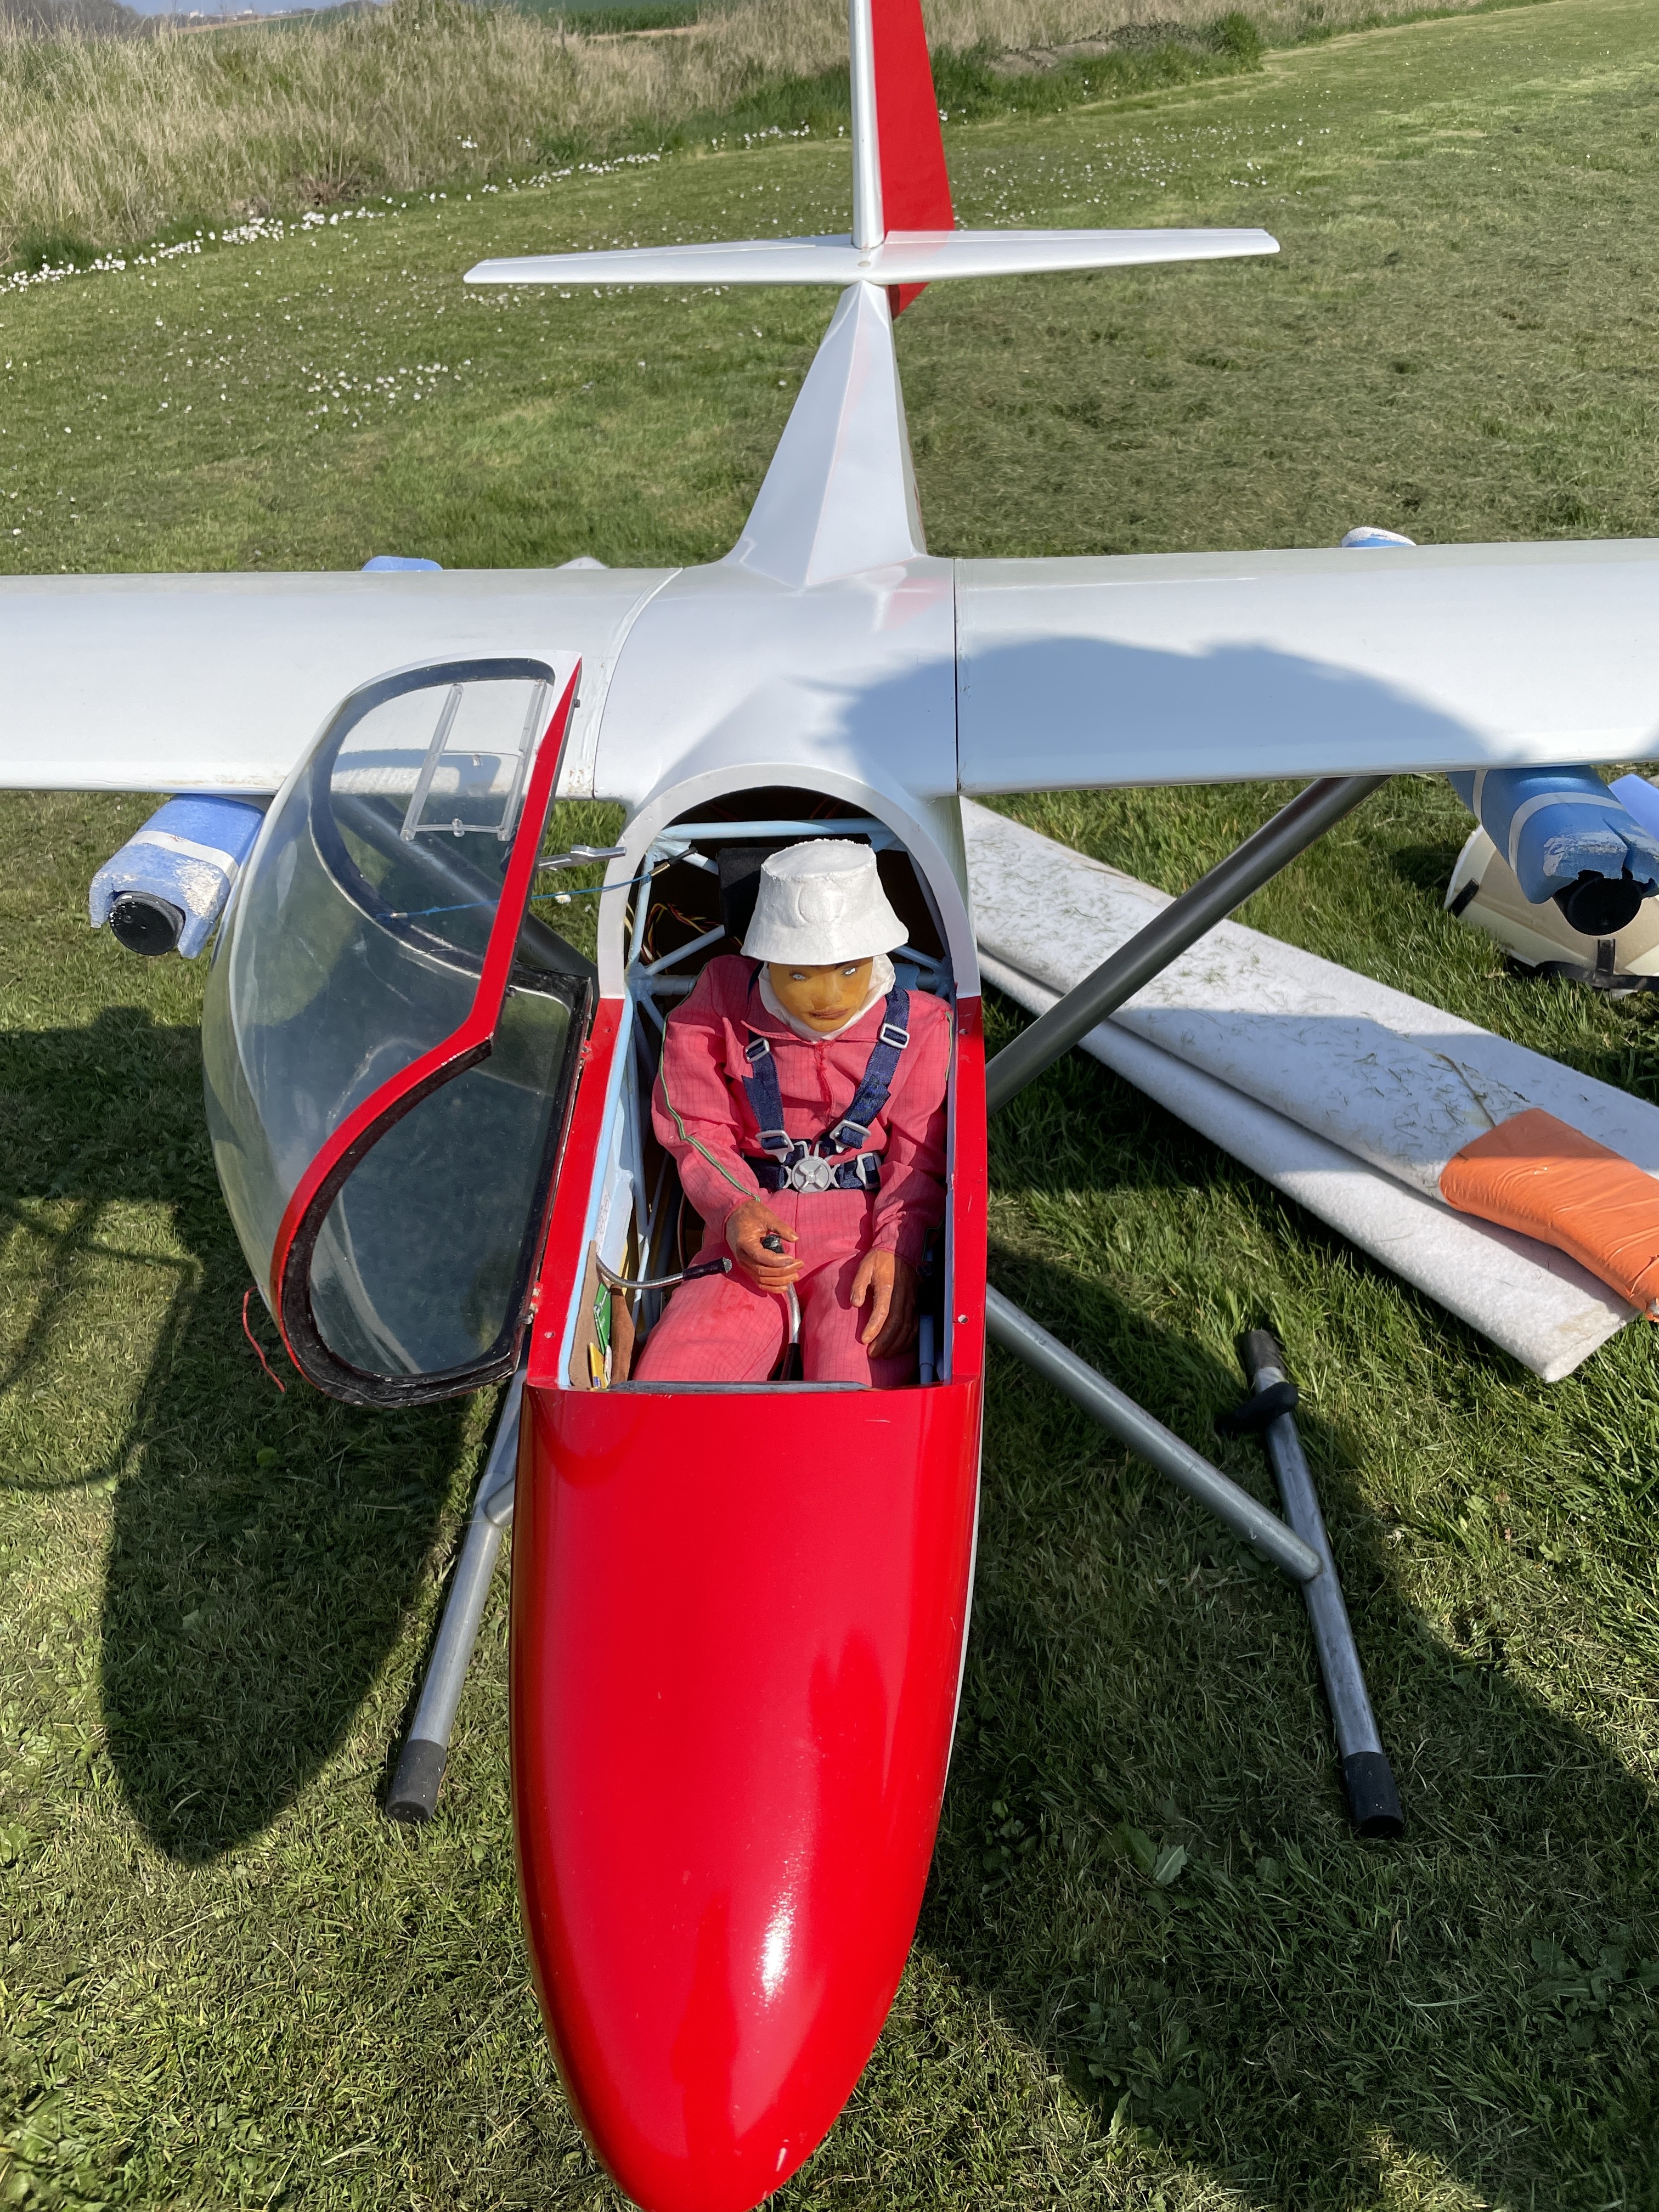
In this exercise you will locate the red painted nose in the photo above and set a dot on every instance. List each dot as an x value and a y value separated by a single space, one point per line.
737 1637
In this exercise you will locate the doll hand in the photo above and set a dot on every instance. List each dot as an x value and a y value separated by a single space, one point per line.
889 1284
746 1227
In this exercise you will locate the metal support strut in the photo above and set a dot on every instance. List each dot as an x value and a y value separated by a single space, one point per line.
1016 1332
1373 1799
1165 938
1302 1550
414 1792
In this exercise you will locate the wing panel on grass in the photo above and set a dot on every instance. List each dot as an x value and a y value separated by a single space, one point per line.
1190 668
216 682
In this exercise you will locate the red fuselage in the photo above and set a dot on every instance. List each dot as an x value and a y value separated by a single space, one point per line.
737 1640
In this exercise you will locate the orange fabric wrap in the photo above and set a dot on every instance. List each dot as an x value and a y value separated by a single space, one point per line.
1535 1174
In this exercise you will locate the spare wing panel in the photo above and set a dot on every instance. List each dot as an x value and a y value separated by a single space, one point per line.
222 683
1197 668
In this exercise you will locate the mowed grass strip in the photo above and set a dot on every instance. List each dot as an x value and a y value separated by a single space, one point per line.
226 1980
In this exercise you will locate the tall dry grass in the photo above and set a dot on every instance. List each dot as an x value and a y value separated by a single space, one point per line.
106 142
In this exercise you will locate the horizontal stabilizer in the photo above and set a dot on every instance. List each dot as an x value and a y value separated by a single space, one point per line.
902 258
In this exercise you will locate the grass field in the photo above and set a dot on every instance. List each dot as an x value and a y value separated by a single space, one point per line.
112 144
224 1980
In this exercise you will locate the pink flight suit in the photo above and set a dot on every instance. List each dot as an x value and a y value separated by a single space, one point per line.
725 1329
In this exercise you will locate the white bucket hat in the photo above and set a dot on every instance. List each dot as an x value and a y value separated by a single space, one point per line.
820 903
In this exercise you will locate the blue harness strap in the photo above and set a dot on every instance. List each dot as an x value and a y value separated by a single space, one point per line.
788 1157
854 1125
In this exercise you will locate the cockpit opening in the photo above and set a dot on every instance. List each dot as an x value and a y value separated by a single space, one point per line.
693 904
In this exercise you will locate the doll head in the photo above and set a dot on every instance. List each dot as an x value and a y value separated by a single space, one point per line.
821 917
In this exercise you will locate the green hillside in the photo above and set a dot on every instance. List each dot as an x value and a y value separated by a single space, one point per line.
225 1980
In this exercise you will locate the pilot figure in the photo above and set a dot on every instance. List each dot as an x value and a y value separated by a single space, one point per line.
802 1096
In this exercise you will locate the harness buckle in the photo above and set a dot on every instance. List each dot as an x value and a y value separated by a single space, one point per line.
812 1172
757 1048
847 1136
893 1035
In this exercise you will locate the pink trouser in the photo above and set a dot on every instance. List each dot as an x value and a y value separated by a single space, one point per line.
725 1329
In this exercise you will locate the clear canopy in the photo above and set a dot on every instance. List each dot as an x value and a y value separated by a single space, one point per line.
354 945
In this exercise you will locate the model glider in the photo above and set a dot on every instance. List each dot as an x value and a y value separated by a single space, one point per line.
737 1611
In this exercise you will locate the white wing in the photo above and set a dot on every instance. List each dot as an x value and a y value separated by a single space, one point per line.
1193 668
219 682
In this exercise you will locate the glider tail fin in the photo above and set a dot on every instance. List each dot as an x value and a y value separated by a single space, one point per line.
904 235
900 184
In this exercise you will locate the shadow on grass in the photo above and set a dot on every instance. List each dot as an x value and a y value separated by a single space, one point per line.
265 1547
1146 1862
1425 867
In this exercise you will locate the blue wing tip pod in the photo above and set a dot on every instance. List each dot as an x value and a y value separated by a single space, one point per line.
167 885
1569 838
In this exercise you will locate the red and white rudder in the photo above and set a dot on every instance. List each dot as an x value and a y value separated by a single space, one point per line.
901 187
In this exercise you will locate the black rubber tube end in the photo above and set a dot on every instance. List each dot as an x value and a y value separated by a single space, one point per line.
414 1792
145 924
1259 1348
1373 1801
1600 906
